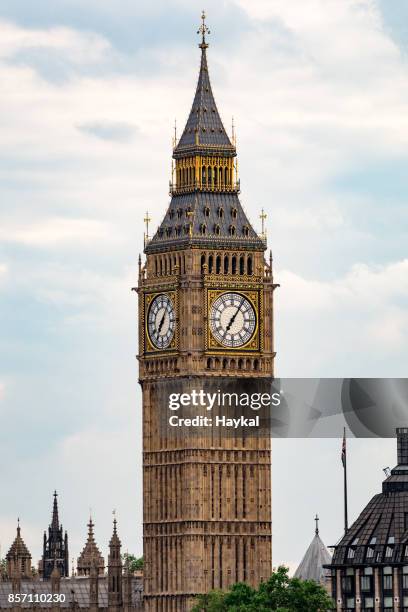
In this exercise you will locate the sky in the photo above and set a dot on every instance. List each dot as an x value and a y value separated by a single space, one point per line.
89 93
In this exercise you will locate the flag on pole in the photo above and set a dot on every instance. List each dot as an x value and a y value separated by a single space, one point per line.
343 449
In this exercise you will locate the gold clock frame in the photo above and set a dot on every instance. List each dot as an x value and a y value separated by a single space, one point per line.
212 345
148 345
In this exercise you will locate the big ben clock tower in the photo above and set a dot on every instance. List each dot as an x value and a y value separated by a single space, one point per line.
205 322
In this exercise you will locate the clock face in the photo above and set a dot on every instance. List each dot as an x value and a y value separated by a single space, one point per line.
161 321
232 319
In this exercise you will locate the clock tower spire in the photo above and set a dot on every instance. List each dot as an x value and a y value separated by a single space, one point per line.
205 322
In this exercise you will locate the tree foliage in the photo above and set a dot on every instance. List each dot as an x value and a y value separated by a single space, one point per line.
135 563
279 593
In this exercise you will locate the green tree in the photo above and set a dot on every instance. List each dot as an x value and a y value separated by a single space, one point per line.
279 593
135 563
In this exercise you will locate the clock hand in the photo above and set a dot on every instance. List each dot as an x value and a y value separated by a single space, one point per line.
161 322
234 315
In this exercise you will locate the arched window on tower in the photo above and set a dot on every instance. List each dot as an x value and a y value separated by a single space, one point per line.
210 264
203 229
226 177
226 264
242 265
207 211
232 230
203 176
202 262
215 176
234 265
209 176
234 213
217 230
249 265
220 173
218 264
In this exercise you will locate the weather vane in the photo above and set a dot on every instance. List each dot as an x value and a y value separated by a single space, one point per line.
203 30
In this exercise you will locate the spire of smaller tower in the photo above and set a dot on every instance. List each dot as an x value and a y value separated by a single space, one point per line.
55 519
317 525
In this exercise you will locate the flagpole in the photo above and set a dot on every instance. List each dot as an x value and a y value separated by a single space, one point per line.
344 454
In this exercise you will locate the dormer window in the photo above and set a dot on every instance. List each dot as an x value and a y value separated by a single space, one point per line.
351 553
234 213
188 211
370 553
168 232
245 230
171 214
388 551
220 212
217 230
232 230
206 211
203 229
179 213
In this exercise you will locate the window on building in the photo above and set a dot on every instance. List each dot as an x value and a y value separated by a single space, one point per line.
405 581
220 212
391 540
387 583
351 553
207 211
366 583
388 551
347 584
373 541
369 603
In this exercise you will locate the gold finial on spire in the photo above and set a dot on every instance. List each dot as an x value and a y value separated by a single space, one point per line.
146 220
234 140
203 30
175 134
263 217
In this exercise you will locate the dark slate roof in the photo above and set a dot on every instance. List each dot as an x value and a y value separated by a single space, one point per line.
174 231
204 127
312 565
380 534
77 588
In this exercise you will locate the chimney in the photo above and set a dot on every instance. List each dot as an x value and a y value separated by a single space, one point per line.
402 445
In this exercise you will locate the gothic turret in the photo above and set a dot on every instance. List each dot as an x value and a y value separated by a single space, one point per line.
55 547
90 555
18 557
114 571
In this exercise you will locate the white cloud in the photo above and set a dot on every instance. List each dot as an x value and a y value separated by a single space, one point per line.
353 326
2 391
58 232
76 46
